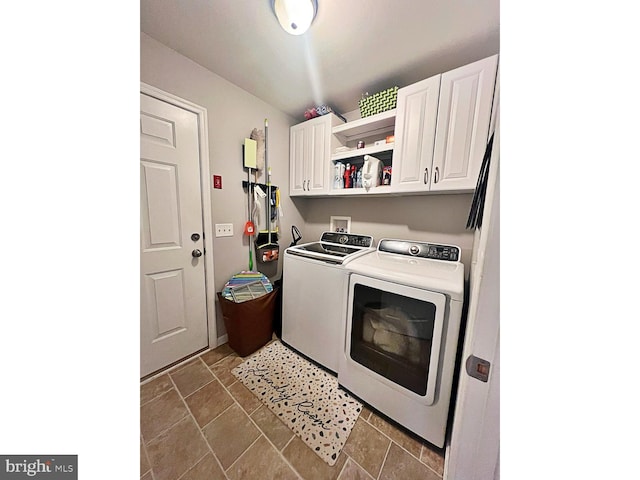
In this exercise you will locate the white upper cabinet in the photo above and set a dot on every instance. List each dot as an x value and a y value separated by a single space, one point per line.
440 128
309 155
464 115
415 132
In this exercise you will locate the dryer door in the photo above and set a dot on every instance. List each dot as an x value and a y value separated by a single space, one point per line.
394 334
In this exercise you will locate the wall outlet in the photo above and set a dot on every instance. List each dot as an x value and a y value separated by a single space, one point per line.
224 229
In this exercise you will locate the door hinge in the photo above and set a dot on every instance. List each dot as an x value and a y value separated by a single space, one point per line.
478 368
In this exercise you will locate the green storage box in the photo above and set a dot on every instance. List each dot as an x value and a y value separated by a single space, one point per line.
379 102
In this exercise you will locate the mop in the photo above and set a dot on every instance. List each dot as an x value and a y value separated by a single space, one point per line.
249 162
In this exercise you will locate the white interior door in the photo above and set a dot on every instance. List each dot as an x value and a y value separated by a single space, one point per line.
173 304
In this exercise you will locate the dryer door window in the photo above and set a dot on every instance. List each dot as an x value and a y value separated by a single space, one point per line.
396 332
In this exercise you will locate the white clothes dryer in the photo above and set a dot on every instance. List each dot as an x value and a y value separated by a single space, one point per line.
404 311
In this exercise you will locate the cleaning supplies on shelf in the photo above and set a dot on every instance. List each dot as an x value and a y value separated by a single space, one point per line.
372 172
338 176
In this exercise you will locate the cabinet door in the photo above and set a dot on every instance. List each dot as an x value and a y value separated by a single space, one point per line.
309 156
415 130
297 157
319 136
464 114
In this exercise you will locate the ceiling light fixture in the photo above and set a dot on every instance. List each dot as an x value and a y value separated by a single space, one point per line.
295 16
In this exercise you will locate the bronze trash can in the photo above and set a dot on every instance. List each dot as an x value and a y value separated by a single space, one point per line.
249 324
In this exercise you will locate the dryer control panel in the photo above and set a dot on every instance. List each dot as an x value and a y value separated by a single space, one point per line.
350 239
433 251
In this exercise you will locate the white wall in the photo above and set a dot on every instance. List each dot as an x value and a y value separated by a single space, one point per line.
433 218
232 114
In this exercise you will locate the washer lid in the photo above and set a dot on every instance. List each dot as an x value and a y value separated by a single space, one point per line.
434 275
334 247
327 252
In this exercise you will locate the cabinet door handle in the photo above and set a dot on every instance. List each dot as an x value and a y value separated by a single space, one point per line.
436 175
307 189
426 174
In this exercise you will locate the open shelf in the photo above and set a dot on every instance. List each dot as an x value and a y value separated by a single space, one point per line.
365 127
358 152
346 192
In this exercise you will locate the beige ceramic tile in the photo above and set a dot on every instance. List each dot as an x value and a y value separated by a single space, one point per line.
205 469
353 471
209 402
367 446
400 465
160 413
309 465
144 461
177 450
433 458
223 368
365 413
191 377
261 461
230 434
245 397
272 427
213 356
401 437
154 388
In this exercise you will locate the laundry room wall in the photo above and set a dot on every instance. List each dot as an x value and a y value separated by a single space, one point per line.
232 114
430 218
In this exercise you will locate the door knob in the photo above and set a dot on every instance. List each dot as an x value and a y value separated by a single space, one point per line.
196 253
195 237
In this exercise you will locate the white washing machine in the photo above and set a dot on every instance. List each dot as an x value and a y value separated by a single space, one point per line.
404 310
314 293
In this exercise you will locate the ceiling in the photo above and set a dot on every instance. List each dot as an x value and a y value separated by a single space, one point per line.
352 47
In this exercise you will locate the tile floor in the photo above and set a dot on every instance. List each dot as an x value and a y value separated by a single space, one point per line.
198 422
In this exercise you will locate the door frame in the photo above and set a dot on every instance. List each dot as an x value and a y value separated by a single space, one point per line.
474 449
203 148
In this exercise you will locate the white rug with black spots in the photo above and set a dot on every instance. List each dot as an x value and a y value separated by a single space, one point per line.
306 398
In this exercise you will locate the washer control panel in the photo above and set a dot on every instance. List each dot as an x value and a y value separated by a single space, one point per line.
433 251
350 239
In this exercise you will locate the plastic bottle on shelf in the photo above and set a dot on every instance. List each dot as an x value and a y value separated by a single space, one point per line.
338 180
347 176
